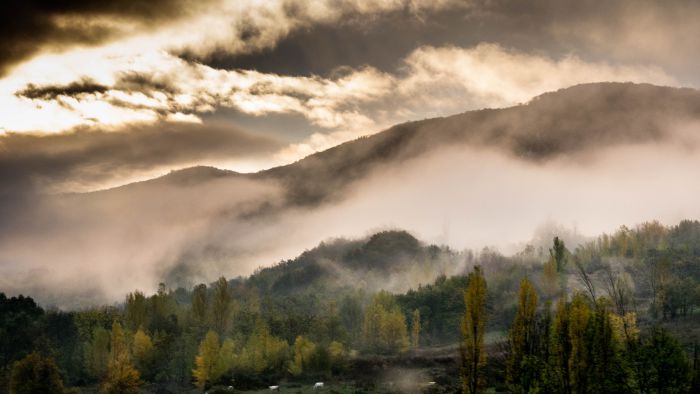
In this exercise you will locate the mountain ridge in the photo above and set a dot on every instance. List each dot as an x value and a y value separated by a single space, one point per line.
550 124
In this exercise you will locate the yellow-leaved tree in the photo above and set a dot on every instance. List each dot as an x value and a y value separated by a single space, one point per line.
143 351
122 377
384 326
415 329
303 352
263 351
206 360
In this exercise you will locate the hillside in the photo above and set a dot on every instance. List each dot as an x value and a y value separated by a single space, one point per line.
389 260
569 121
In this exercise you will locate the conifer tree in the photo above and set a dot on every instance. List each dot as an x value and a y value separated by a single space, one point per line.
557 254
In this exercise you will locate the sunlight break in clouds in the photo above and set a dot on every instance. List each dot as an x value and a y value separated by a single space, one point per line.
431 82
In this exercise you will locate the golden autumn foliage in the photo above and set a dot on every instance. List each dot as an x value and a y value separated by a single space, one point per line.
206 360
625 327
384 327
122 377
415 329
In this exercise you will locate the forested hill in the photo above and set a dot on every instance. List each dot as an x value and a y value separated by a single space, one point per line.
633 294
389 260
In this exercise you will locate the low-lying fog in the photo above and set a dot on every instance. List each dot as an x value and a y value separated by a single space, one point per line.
73 251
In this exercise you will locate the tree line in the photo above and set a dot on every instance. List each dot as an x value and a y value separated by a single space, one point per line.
615 313
577 343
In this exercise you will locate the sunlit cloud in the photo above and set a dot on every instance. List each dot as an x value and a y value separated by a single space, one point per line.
432 82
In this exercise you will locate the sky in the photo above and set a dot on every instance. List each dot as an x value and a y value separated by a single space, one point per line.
264 83
96 95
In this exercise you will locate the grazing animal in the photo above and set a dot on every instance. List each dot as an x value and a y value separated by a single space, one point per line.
318 385
275 388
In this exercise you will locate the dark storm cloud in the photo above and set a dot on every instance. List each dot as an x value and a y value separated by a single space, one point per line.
380 41
27 26
128 82
85 157
51 92
618 31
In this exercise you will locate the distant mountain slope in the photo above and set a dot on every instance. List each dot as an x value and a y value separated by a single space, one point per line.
567 121
576 119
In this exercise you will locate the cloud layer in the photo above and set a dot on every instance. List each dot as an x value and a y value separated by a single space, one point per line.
431 82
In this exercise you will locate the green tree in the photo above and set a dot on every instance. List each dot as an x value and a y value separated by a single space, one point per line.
560 349
262 351
351 316
384 326
338 356
206 360
136 311
122 377
200 303
607 370
579 315
662 365
226 359
523 341
473 357
221 306
35 374
558 256
97 353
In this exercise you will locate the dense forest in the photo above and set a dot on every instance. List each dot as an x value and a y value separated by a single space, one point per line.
389 313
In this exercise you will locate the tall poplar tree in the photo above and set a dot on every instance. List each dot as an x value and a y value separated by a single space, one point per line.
199 303
220 306
206 360
415 329
122 377
473 357
522 341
